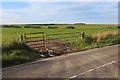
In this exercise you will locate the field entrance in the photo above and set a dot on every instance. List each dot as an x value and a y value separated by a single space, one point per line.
52 44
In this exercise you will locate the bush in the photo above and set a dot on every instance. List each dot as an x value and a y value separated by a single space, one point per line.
50 27
37 27
71 27
27 26
80 23
11 26
118 27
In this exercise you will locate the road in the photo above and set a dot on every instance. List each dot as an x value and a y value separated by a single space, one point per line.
94 63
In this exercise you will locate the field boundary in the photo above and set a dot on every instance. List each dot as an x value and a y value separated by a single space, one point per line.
46 42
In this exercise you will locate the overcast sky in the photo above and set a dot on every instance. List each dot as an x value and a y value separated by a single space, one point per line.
59 12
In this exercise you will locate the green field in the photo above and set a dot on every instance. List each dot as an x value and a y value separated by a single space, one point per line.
17 53
11 34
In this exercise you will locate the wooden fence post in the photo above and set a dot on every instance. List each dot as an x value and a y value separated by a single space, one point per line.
44 41
82 35
21 38
24 36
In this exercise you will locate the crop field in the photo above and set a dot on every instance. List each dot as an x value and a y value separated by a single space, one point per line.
96 35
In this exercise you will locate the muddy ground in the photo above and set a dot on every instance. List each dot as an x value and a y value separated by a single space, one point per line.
55 47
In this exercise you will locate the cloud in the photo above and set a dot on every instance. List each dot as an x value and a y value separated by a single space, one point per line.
55 12
35 11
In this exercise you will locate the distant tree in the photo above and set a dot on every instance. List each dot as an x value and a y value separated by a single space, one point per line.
81 23
5 26
52 27
11 26
71 27
37 27
27 26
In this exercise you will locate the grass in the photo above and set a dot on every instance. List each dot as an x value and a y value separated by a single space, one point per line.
95 36
91 42
17 53
10 34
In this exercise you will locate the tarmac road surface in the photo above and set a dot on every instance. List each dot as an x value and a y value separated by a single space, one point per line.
94 63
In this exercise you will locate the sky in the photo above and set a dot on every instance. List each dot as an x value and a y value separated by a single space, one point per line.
59 12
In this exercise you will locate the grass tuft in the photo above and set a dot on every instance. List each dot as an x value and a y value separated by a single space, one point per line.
17 53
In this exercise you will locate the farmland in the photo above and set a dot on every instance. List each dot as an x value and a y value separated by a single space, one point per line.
11 34
14 53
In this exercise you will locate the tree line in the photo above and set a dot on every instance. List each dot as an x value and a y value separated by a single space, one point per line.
20 26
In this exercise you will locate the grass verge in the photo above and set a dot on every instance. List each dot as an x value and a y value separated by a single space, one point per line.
99 40
17 53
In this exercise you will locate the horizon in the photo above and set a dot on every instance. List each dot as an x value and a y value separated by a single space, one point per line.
57 24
